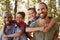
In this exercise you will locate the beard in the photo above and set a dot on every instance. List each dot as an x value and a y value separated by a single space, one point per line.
43 16
8 24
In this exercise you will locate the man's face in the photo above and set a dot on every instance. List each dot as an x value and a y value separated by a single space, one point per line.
42 10
19 18
31 14
7 19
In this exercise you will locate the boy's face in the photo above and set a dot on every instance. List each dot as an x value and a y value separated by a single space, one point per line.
19 18
7 19
31 14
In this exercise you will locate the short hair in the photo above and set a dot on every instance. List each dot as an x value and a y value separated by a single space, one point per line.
42 3
22 13
32 9
7 13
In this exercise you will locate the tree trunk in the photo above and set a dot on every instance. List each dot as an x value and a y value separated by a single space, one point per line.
15 9
28 4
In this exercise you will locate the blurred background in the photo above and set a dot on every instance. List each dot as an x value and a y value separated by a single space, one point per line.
22 5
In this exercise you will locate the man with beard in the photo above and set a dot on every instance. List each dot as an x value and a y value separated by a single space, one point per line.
44 21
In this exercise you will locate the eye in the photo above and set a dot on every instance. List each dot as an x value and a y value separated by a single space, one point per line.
29 14
43 8
16 17
5 17
38 9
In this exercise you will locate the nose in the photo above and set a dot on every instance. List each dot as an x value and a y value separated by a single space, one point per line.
7 19
40 11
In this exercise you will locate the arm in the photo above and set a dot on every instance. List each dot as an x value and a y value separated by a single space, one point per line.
44 29
52 22
56 35
18 34
34 29
3 30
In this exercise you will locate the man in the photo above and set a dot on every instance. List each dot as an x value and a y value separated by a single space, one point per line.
44 21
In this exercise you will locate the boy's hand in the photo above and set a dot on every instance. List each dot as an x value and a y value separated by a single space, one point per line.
41 28
48 26
32 38
4 35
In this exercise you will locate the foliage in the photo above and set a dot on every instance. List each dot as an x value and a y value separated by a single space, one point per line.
6 5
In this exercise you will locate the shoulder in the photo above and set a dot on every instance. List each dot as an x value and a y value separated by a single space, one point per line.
30 21
37 17
56 26
14 21
52 18
23 24
34 24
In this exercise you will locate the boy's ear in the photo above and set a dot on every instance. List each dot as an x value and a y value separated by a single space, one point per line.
23 19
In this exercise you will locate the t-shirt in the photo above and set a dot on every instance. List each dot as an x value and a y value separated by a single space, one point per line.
10 31
15 29
39 35
23 36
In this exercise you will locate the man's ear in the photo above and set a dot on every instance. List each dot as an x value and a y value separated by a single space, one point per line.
23 18
47 9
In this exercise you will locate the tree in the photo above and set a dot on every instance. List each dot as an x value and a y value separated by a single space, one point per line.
34 1
28 4
59 7
6 5
49 7
38 0
59 3
15 9
54 7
